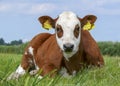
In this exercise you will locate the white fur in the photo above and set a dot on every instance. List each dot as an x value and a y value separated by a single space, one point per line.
35 64
68 55
40 77
33 72
74 73
20 70
68 21
65 74
15 75
30 50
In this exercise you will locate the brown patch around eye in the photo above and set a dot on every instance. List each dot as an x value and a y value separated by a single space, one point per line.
59 31
77 31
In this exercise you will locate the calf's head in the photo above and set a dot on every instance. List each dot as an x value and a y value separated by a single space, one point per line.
68 28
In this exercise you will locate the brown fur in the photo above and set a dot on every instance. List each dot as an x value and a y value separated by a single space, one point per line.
48 55
87 55
34 43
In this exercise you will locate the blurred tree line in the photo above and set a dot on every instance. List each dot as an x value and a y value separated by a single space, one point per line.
14 42
106 48
17 46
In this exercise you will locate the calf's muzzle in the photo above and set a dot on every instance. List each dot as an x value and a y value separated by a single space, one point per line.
68 47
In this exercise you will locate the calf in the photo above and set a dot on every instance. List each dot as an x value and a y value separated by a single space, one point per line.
70 48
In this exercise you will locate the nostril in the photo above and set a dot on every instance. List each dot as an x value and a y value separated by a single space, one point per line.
68 47
71 46
64 46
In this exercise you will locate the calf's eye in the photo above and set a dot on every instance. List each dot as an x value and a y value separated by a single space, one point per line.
59 31
76 31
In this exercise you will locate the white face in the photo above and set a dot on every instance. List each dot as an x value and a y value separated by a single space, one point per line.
68 33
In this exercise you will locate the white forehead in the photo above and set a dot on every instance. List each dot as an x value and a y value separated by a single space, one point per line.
68 19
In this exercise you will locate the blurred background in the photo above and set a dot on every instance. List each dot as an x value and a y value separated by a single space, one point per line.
19 18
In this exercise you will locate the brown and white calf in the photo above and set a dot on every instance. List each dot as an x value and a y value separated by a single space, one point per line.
70 49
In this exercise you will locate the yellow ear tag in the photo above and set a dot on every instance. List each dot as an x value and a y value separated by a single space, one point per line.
88 26
47 25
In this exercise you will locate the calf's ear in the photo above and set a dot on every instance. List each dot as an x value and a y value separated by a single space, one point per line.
47 22
87 22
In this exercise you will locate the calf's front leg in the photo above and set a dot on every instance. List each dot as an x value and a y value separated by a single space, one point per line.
26 64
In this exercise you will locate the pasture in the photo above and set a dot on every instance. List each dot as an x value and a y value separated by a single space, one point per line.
109 75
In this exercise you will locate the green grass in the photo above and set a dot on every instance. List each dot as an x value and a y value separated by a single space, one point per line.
109 75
